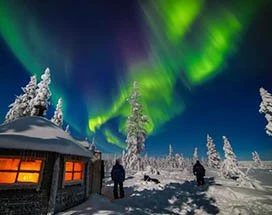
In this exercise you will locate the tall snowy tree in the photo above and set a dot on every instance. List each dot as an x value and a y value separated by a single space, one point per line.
136 132
22 104
41 101
213 157
195 156
266 108
229 168
58 115
257 160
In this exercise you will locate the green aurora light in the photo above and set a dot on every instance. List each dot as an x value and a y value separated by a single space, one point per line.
174 56
187 40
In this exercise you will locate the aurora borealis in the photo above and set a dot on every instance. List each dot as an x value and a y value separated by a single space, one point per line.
199 65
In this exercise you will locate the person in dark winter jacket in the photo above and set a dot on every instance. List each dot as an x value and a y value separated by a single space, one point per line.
199 172
118 177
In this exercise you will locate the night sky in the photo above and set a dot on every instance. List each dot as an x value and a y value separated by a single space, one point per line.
199 65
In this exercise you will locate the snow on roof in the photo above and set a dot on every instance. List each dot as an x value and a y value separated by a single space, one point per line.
84 143
38 133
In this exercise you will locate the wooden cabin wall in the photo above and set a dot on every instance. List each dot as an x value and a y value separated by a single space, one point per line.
69 195
23 200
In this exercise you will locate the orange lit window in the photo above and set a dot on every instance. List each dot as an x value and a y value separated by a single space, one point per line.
73 171
16 170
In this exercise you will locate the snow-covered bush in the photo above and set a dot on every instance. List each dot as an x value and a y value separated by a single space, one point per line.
213 156
266 108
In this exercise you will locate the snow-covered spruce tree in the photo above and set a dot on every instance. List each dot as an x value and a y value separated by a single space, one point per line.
58 115
123 157
28 96
41 101
229 168
266 108
257 160
172 163
14 111
213 157
195 156
171 153
22 104
67 129
92 147
136 133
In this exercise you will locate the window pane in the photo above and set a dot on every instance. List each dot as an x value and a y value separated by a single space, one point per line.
68 166
28 177
9 164
78 166
77 175
7 177
34 165
68 176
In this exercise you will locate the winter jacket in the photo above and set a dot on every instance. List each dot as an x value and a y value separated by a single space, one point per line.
199 170
118 173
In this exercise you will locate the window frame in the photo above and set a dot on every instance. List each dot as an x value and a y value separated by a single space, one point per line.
73 182
23 185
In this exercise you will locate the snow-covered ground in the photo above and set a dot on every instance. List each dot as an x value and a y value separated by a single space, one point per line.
178 194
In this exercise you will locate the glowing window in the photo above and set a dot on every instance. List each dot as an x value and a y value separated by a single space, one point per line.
16 170
73 171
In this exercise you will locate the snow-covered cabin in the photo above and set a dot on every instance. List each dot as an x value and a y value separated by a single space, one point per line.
42 168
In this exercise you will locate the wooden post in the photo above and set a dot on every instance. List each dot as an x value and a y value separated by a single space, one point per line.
96 179
87 178
54 186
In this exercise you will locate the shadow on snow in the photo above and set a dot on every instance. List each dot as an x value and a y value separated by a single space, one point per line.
175 198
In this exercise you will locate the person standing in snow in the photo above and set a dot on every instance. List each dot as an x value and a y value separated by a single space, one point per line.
199 172
118 177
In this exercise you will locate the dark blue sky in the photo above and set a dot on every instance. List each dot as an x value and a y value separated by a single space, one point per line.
83 44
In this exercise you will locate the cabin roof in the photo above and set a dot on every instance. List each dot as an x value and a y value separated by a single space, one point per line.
39 134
